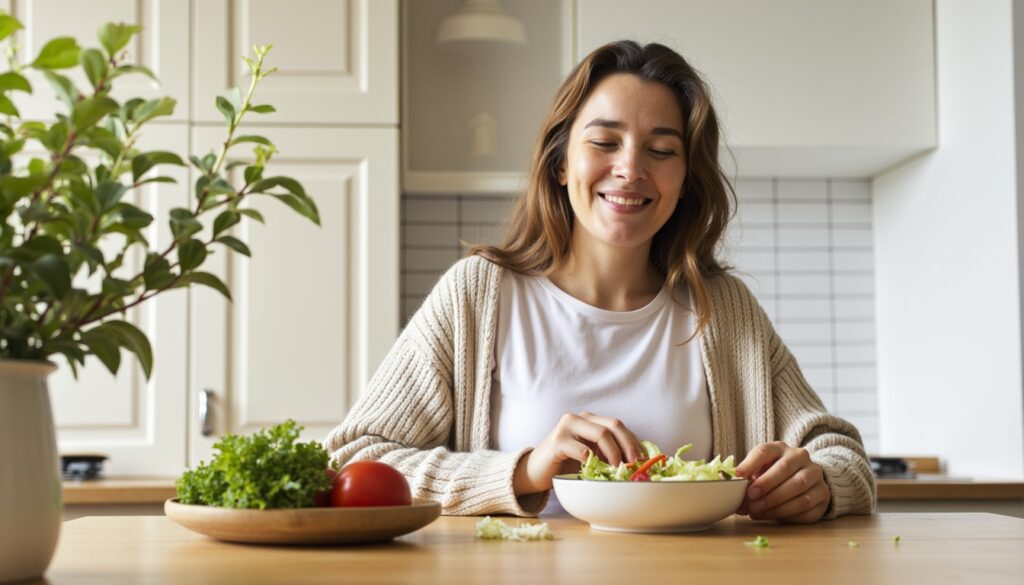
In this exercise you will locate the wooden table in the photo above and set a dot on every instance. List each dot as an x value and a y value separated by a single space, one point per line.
934 548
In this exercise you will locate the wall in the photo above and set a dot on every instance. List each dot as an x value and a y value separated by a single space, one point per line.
803 246
947 241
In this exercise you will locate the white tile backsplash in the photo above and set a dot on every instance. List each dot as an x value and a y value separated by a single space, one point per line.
814 213
800 261
804 247
804 237
815 190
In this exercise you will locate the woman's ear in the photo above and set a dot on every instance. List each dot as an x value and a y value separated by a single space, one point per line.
562 180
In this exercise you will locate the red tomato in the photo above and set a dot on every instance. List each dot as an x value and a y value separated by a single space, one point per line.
370 483
323 499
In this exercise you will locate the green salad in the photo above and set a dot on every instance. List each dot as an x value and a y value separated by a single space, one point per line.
659 467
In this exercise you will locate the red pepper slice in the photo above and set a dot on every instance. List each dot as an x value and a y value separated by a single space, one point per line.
647 465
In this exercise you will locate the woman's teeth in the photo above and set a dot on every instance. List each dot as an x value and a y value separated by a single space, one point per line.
624 201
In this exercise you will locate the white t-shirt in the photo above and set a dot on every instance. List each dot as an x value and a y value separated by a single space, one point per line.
555 354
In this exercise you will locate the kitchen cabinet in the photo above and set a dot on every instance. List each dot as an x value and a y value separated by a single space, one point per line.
337 60
804 88
316 308
162 46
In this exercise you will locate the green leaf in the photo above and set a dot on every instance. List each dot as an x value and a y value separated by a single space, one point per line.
145 161
252 213
157 273
304 206
104 346
109 194
53 271
226 108
102 139
56 138
7 107
89 111
65 89
92 255
115 37
251 138
191 254
156 180
59 53
151 109
95 66
253 173
11 147
126 69
8 24
225 220
183 224
131 216
205 279
131 338
12 81
84 196
264 109
289 184
235 244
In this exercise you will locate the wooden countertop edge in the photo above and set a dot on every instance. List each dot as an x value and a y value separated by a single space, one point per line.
119 491
157 490
908 489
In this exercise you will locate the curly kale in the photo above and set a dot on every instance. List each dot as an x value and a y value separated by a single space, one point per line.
265 470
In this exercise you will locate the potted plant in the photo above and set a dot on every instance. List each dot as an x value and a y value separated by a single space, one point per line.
61 292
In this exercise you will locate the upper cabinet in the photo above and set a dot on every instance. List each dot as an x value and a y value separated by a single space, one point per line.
804 87
337 60
162 46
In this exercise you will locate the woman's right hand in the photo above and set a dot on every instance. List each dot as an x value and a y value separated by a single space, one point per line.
572 440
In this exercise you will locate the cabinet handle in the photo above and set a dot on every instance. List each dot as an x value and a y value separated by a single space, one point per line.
206 412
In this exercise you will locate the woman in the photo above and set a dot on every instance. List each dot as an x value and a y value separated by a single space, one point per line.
605 318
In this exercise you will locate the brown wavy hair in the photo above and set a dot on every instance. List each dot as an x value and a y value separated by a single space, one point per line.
683 250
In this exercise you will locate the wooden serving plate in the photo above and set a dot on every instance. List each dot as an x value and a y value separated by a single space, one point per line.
304 525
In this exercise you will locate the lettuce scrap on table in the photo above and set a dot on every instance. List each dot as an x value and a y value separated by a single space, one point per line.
494 529
659 467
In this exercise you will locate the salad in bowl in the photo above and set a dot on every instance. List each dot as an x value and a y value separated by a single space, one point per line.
659 494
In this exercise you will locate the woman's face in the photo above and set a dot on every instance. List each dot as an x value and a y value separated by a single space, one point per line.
625 164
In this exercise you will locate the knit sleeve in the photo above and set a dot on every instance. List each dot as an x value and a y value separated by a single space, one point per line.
405 418
834 444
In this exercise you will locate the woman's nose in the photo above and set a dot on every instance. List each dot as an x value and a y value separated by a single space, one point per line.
629 165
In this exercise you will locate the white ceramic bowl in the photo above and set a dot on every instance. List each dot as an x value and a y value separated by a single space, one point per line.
649 506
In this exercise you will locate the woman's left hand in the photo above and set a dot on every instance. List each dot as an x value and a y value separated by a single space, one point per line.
785 485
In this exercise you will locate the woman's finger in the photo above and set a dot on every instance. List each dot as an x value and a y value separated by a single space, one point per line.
581 428
808 517
628 442
796 485
788 462
755 464
797 507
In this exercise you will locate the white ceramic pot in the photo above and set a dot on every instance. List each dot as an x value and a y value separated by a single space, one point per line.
30 488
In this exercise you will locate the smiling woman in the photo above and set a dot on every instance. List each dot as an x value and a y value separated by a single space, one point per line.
603 318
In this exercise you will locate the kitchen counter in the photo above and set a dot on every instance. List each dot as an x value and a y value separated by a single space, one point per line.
932 548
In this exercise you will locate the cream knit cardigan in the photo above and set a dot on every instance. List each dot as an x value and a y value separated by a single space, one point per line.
426 411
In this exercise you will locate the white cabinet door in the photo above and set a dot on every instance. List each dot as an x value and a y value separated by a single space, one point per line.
162 46
140 424
337 60
804 88
316 308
